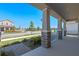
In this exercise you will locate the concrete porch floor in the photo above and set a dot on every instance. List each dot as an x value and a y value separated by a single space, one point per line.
69 46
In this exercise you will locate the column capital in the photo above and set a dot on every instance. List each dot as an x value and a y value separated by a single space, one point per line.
46 8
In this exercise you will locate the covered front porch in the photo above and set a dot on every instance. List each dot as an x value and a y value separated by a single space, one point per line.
69 46
60 44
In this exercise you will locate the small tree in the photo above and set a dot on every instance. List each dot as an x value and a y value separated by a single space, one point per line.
32 26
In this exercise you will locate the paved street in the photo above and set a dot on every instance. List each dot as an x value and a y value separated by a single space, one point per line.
13 35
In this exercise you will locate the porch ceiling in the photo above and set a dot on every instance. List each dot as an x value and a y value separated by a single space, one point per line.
41 6
69 11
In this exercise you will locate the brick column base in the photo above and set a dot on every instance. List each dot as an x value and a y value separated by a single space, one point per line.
60 35
64 33
46 39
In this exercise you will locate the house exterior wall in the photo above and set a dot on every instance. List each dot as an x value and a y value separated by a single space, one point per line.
72 27
6 23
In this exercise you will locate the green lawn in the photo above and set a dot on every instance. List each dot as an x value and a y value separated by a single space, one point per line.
15 41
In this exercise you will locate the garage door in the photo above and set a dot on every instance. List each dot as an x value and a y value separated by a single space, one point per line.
72 27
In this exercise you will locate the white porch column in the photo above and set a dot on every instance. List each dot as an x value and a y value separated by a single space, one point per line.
46 32
64 27
60 28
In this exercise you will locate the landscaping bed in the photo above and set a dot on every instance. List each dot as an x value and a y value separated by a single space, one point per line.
31 42
15 41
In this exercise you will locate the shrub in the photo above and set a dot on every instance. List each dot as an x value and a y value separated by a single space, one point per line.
33 42
9 31
25 40
37 40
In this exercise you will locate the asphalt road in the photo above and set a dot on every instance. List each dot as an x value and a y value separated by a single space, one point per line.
12 35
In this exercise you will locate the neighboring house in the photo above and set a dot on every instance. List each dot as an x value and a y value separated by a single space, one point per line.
6 25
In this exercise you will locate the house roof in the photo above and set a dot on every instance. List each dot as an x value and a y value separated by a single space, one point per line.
5 26
6 20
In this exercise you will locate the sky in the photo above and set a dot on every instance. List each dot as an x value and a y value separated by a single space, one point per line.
22 13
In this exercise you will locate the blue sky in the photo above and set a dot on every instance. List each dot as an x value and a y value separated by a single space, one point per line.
21 14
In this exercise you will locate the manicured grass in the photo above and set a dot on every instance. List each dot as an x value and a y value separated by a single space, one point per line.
15 41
